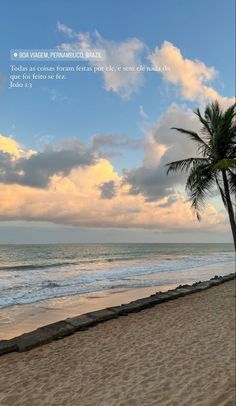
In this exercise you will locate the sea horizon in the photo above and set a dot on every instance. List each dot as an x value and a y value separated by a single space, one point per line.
115 243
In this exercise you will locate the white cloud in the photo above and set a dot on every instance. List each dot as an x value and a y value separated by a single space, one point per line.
67 30
142 113
192 76
117 54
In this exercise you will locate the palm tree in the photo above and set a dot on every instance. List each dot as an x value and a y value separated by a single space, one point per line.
215 162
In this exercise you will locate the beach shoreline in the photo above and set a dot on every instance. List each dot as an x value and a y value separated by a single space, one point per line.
19 319
68 326
181 352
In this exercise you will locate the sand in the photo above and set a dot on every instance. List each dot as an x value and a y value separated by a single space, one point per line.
177 353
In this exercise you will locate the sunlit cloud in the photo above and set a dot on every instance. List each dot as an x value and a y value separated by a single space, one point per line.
191 76
96 196
10 146
35 169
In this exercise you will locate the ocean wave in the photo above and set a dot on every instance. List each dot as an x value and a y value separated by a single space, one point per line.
86 282
29 267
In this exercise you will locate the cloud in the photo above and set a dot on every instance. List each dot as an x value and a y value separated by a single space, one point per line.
67 31
192 76
10 146
168 202
36 169
92 194
142 113
123 54
163 145
100 141
76 200
108 189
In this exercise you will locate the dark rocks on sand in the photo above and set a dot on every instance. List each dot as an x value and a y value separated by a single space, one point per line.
81 322
7 346
103 315
44 335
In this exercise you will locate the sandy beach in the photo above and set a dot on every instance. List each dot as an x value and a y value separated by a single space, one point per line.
178 353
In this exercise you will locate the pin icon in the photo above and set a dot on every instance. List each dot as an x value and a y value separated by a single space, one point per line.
15 54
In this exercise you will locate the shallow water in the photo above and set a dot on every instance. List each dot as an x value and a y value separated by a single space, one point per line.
32 273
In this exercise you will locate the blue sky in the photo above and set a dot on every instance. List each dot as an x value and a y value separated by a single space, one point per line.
202 30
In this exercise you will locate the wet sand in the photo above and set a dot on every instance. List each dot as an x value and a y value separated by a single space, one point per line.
19 319
179 353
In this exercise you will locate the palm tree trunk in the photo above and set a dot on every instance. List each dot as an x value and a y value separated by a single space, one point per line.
229 206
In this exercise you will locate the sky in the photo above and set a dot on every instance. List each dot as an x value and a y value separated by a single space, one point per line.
83 159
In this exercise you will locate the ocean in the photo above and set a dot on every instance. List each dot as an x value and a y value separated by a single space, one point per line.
33 273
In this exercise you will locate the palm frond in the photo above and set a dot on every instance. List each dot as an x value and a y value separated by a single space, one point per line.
199 184
228 132
217 148
202 145
226 163
206 125
229 114
184 164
